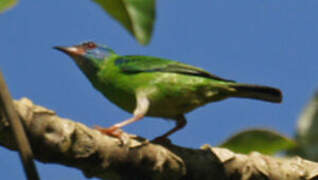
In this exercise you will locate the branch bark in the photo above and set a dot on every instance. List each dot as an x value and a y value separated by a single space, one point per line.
59 140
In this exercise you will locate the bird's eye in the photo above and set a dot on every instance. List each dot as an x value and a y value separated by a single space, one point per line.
89 45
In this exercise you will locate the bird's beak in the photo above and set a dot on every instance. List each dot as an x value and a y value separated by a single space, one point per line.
73 51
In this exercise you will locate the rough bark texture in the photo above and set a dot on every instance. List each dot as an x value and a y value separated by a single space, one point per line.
59 140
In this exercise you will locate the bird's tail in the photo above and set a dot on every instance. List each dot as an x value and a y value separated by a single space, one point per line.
264 93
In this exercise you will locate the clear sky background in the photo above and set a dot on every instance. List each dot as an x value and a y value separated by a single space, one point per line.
267 42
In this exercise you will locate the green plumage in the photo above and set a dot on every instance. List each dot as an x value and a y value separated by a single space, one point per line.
171 90
168 88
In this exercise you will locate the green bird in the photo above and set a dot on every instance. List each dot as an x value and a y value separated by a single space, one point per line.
157 87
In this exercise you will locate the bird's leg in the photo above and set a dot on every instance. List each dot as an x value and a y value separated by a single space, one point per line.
139 113
180 123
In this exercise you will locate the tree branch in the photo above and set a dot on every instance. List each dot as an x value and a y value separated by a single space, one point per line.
59 140
17 130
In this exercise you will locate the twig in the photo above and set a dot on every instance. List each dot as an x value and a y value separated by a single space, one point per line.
18 131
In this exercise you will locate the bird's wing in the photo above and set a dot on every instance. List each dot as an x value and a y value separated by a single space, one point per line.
137 64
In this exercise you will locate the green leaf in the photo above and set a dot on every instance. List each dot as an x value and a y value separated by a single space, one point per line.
137 16
7 4
261 140
307 131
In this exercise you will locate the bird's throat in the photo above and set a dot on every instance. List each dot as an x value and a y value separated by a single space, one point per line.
88 67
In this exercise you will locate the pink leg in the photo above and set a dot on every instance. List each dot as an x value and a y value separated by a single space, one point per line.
115 129
139 113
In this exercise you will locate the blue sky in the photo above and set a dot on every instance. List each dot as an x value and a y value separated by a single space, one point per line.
271 42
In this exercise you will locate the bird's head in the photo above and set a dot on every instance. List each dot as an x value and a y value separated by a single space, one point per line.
88 50
88 56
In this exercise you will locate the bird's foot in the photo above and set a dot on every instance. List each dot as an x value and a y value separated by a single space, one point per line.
161 140
112 131
116 132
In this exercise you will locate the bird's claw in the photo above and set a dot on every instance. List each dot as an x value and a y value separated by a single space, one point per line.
112 131
161 140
